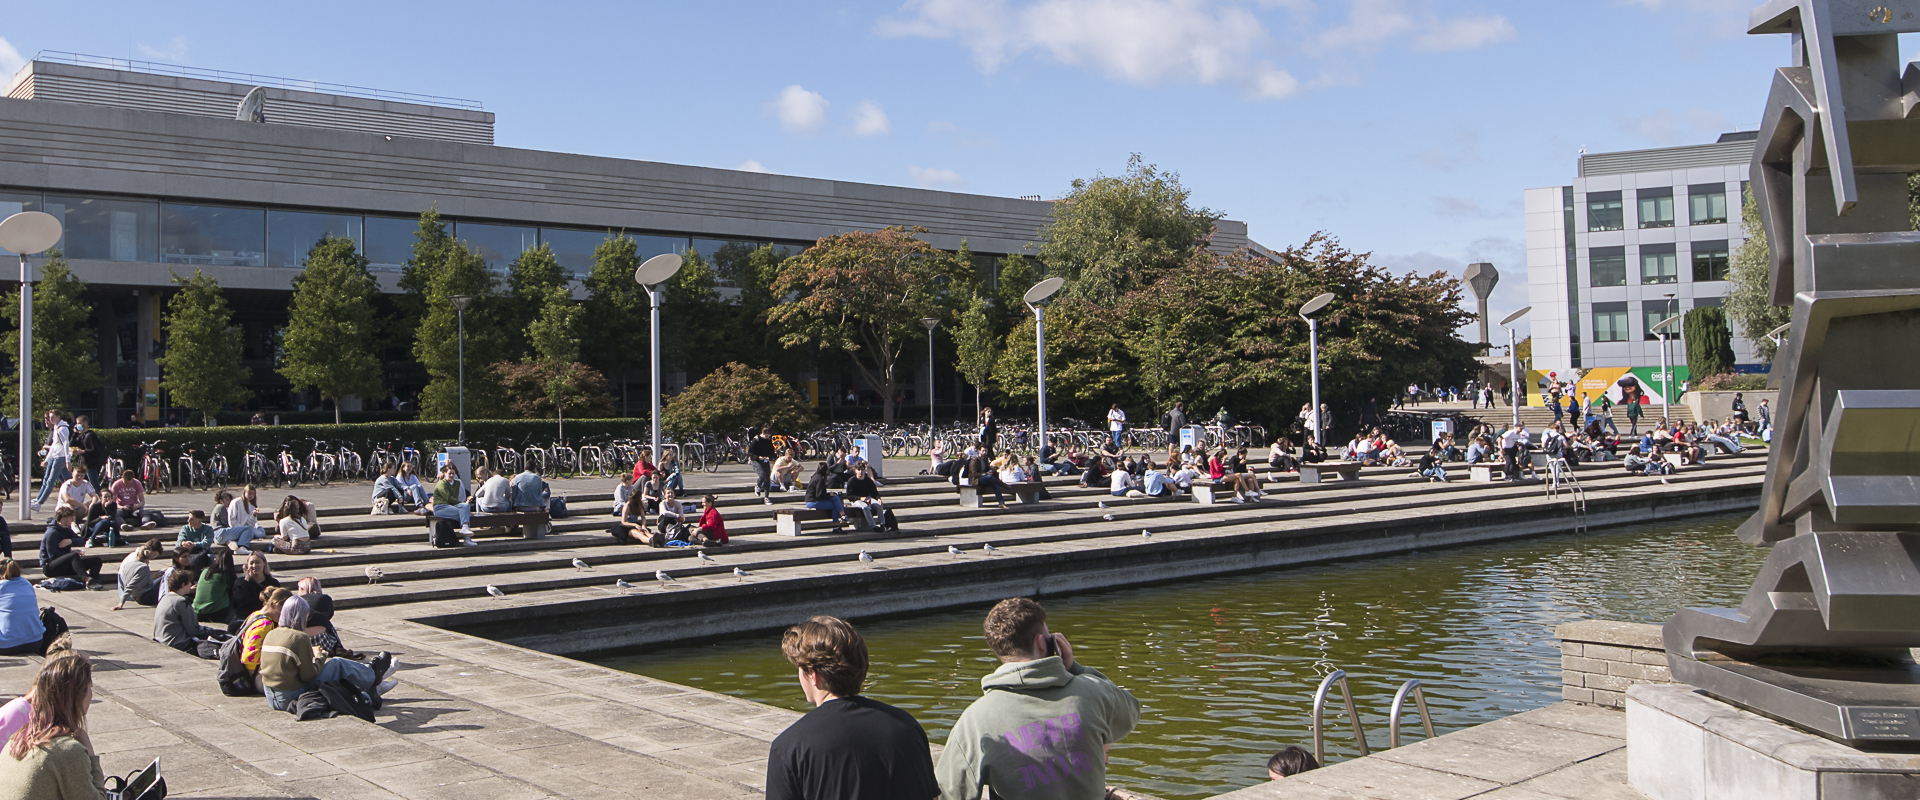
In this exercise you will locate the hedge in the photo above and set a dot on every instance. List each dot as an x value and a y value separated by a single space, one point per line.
316 417
233 440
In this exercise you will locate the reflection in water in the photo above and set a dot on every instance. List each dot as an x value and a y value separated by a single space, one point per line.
1226 667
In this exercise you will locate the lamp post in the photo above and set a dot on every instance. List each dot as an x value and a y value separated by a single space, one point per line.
1513 363
1033 298
1313 361
460 304
931 323
657 270
1665 327
23 233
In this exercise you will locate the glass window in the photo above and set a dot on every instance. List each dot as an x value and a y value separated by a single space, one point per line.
499 245
728 257
292 234
1654 312
107 229
1659 264
1707 203
1710 260
1608 266
1609 325
1656 208
216 235
12 203
388 241
646 247
573 249
1604 212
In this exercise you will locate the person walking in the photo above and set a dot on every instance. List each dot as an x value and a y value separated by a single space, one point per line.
1116 423
1176 420
849 747
760 454
54 463
989 431
93 451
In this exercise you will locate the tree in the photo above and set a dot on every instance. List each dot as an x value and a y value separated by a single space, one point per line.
63 337
615 314
530 279
201 369
1111 235
976 346
1709 343
695 320
734 397
1016 277
556 347
865 293
436 345
431 246
531 389
331 330
1749 301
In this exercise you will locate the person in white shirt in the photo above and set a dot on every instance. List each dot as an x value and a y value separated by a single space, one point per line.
58 456
295 536
242 524
495 494
1513 445
622 492
1116 423
74 494
1184 477
1121 483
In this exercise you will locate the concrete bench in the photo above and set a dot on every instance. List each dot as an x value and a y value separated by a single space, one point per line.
1320 473
1674 459
1207 494
791 521
1022 493
532 524
1483 473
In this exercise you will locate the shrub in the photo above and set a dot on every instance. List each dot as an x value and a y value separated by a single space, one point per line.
1732 382
1709 342
734 397
233 440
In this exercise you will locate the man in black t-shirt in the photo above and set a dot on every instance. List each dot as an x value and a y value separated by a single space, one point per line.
848 747
760 454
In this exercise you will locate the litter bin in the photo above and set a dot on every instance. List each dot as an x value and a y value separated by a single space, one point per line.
868 447
462 462
1194 436
1441 426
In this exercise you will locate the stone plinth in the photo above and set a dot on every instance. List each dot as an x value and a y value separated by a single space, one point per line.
1683 745
1600 658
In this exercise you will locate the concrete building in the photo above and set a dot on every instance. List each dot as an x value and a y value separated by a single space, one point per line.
1638 236
152 174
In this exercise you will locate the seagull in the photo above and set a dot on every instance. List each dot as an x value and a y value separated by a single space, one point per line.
579 565
1103 504
953 550
622 585
373 574
495 591
991 550
866 558
662 576
1146 534
704 558
1107 517
740 574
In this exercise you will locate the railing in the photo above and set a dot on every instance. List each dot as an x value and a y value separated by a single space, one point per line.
155 68
1319 706
1399 701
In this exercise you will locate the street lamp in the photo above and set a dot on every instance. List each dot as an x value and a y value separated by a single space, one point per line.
23 233
1313 360
1033 298
460 304
1665 327
931 323
1513 364
657 270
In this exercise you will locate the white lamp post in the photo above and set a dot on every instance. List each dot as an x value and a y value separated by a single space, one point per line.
931 323
1665 327
657 270
1313 361
23 233
1513 363
1033 298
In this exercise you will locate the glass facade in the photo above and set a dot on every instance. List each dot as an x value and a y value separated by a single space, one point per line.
573 249
1710 260
1608 266
1609 322
1573 277
12 203
1707 203
1659 264
107 228
214 235
1604 212
498 245
1653 312
387 242
1656 207
292 234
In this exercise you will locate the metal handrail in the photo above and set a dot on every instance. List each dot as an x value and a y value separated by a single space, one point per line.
1319 705
1399 700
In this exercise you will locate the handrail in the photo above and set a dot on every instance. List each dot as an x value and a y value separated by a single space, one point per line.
1399 699
1319 704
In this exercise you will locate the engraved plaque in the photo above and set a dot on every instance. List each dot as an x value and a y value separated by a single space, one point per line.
1883 724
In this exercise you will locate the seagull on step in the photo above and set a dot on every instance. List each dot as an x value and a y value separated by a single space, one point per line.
1107 517
740 574
1103 504
495 591
704 558
622 585
662 576
866 558
580 566
373 574
991 550
1146 534
954 551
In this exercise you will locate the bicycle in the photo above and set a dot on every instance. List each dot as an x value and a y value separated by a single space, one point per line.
155 475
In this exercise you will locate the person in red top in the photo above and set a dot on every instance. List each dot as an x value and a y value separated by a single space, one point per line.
131 497
711 524
643 468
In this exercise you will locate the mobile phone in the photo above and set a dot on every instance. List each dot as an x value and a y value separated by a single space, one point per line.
1053 645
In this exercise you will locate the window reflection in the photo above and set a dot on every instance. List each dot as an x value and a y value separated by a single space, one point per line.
12 203
649 246
573 249
292 234
387 242
214 235
107 229
498 245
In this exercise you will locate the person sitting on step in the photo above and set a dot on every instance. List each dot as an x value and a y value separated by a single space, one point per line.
712 526
980 474
60 553
863 492
449 503
493 494
130 496
530 492
291 666
821 498
388 497
632 527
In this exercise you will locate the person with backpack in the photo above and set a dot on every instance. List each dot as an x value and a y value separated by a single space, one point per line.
93 451
21 631
289 668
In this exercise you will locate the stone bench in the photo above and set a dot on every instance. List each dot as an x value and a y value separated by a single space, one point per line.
1207 494
532 524
1483 473
1025 492
1320 473
792 521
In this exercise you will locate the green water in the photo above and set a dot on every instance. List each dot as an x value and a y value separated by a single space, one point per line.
1225 668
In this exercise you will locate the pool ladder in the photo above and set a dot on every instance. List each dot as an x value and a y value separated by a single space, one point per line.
1410 688
1560 478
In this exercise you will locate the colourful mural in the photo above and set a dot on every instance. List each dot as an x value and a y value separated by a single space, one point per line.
1647 385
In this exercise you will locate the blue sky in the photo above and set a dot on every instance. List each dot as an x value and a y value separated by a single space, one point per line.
1408 128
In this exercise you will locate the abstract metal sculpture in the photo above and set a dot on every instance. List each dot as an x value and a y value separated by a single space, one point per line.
253 107
1821 639
1481 278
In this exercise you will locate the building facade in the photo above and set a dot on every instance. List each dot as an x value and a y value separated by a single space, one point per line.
1638 237
152 175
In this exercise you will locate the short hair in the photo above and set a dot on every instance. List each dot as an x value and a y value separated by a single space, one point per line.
1011 626
179 580
197 514
830 648
65 512
1291 761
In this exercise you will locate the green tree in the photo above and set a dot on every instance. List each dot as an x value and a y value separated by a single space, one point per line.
695 321
615 314
530 279
201 369
432 242
63 338
1709 343
436 345
1749 301
330 338
976 346
1016 277
556 347
733 397
1110 235
864 293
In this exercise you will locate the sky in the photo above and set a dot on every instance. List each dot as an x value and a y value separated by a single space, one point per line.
1406 128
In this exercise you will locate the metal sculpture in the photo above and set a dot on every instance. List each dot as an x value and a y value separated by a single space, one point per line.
1481 278
1822 639
253 107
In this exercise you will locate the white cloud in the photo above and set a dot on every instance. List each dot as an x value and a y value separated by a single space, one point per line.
934 178
1689 126
799 110
869 120
751 165
175 50
10 61
1464 34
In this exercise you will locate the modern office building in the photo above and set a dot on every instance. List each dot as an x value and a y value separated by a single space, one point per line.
152 174
1638 237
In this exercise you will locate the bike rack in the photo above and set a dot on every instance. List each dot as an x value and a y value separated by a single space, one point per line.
1399 701
1319 705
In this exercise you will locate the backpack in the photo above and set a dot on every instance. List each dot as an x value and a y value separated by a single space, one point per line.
557 508
53 622
343 698
235 679
446 533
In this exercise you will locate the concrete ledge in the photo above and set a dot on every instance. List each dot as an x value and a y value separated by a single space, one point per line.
1600 659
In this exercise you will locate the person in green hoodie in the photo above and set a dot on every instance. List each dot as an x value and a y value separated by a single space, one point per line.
1042 728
